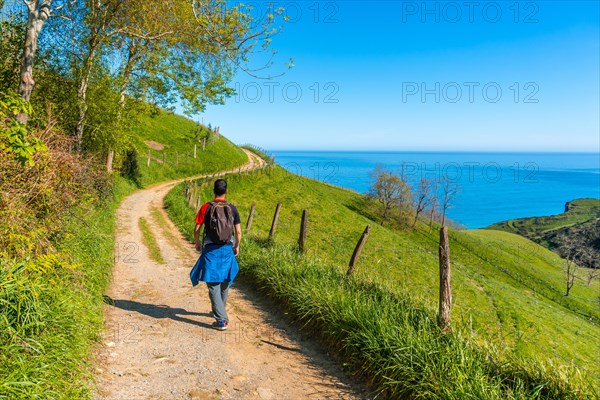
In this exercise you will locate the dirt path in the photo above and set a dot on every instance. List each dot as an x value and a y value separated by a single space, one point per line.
158 343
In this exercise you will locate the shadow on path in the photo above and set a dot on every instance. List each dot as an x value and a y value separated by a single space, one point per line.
159 311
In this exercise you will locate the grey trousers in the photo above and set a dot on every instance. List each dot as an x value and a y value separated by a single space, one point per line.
217 292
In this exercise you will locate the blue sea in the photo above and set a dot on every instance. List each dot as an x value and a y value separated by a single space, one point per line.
493 187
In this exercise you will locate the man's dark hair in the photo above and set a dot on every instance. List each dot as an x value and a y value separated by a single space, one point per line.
220 187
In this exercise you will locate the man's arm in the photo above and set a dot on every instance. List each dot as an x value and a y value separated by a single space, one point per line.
197 237
238 239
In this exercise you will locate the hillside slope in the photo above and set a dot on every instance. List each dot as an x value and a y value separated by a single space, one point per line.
508 291
165 134
581 221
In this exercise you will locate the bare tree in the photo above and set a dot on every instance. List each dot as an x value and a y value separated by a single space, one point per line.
570 250
449 191
588 257
433 201
421 198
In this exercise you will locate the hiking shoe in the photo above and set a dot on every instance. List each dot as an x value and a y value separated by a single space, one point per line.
220 325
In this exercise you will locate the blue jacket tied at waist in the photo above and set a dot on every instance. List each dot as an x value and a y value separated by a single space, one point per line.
216 264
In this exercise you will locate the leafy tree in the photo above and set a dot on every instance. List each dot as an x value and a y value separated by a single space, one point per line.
11 44
391 192
15 136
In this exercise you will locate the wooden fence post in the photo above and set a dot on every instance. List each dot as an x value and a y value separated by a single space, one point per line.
149 156
274 223
358 249
164 158
445 286
177 158
303 225
198 204
191 196
250 216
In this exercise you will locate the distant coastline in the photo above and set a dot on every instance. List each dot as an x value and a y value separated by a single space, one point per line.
580 221
495 186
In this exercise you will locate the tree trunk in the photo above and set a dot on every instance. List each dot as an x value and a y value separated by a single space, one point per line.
445 286
132 59
570 276
416 219
38 14
94 42
109 160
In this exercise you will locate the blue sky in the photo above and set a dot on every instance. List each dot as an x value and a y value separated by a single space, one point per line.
398 75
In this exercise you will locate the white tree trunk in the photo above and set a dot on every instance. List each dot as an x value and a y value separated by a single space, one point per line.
38 14
82 95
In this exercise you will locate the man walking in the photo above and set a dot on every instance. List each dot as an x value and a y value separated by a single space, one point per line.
217 265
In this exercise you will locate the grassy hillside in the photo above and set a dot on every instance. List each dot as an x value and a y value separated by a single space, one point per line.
56 265
581 216
167 133
577 212
507 289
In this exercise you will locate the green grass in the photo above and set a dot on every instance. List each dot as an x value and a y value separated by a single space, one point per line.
507 290
162 223
391 340
150 241
170 130
52 309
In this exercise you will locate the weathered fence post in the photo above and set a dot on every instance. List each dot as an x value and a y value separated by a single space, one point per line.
149 156
191 197
445 286
274 223
303 225
358 249
195 145
177 158
250 216
198 204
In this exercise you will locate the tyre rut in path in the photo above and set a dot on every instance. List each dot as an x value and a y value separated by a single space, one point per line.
158 343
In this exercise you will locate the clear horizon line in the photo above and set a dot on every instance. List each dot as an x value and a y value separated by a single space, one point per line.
440 151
